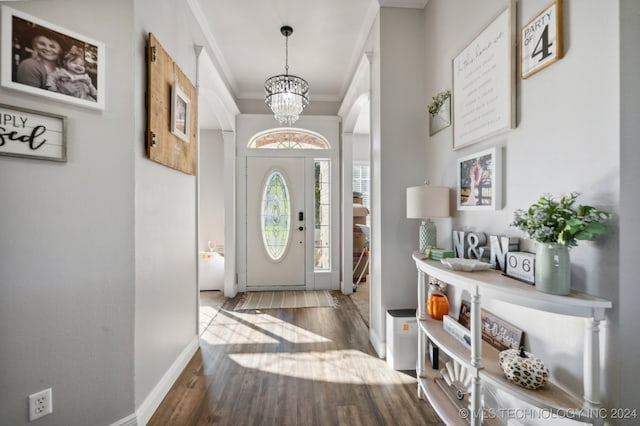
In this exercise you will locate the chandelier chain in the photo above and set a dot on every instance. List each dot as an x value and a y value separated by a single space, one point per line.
286 55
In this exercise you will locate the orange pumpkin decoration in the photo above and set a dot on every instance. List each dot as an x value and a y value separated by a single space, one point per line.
437 306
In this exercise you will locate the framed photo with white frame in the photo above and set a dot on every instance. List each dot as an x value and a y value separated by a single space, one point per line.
180 113
479 181
44 59
541 40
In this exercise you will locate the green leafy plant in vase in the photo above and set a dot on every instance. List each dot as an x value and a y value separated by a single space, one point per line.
557 225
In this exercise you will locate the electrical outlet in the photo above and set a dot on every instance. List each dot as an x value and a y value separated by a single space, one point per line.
40 404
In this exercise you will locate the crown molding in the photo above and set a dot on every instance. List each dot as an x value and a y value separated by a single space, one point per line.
410 4
217 53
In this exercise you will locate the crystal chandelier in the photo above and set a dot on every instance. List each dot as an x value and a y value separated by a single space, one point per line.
286 95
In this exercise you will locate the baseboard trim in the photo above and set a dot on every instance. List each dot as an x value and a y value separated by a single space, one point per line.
130 420
379 346
155 397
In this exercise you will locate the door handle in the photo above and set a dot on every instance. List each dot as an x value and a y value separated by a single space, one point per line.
301 228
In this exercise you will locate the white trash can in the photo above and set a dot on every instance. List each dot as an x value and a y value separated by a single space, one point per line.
211 271
402 339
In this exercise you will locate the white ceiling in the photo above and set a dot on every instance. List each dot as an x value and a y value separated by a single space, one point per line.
324 49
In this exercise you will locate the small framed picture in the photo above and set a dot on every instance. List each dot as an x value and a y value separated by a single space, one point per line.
541 40
180 113
47 60
478 186
497 332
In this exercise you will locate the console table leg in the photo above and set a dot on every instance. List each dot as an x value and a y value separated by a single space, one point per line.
421 354
422 296
476 358
591 365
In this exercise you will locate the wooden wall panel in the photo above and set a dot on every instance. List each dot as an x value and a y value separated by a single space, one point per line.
162 145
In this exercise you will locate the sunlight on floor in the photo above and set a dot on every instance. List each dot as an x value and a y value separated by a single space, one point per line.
328 366
240 328
258 331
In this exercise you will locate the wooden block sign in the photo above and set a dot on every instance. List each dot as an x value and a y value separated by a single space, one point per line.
32 134
172 111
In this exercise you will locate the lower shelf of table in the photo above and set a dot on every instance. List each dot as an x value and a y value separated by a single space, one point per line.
451 410
551 397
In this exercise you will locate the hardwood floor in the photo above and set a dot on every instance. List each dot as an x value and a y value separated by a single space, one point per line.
309 366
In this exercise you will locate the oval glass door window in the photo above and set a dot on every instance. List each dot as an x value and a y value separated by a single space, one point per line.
276 215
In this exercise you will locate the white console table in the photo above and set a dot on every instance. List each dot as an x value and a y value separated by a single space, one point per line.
481 361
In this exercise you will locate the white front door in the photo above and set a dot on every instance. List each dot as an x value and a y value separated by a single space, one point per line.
275 223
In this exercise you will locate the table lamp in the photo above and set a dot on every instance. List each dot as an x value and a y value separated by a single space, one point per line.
426 202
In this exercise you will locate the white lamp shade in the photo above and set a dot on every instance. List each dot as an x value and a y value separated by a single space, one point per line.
427 201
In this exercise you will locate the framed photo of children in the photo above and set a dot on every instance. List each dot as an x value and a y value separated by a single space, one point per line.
541 40
479 181
47 60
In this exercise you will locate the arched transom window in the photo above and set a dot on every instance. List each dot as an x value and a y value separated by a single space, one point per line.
288 139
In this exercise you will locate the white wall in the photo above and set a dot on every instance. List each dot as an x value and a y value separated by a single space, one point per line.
567 139
66 243
361 148
211 189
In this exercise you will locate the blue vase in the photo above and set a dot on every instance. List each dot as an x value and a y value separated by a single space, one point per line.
553 269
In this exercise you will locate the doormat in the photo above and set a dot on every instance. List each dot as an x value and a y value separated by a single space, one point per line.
285 299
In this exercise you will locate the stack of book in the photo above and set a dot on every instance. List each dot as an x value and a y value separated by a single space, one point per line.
438 253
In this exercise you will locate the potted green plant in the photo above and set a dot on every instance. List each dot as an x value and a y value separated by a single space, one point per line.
557 225
439 112
438 101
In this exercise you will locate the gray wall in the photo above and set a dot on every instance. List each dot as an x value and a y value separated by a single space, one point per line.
402 138
165 213
567 139
66 243
98 255
397 140
629 365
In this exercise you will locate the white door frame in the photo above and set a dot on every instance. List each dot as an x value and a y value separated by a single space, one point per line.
249 125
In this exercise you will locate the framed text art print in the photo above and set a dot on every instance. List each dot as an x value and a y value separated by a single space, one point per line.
541 40
32 134
479 181
484 77
47 60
